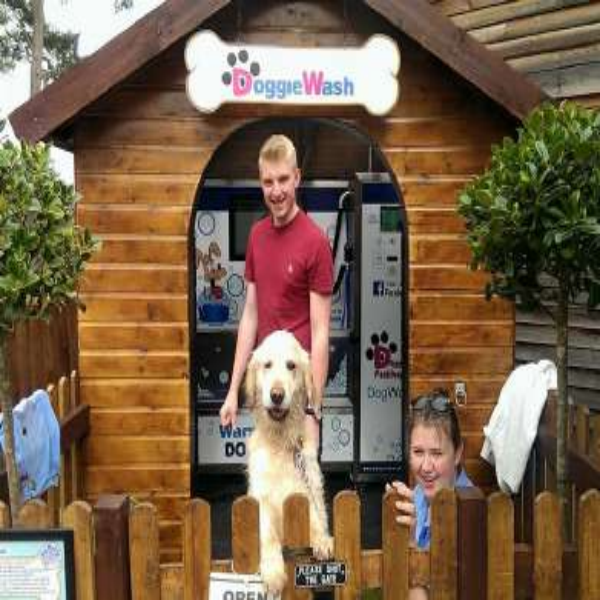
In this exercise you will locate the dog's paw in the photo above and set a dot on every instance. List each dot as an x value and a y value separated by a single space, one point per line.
323 547
272 571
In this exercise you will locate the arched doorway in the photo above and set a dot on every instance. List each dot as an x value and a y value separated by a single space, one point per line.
348 190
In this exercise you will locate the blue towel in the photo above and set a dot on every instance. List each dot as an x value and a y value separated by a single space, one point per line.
37 444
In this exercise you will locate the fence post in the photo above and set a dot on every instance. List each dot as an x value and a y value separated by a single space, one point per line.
196 550
76 463
395 551
500 548
78 517
443 549
245 536
111 521
589 545
594 440
53 494
347 546
144 552
64 404
35 514
472 542
4 515
547 548
296 534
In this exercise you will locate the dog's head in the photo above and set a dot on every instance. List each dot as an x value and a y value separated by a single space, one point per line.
278 378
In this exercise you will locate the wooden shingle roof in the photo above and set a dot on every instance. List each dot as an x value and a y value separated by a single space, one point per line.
59 104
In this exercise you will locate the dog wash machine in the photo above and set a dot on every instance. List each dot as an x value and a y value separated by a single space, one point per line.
365 399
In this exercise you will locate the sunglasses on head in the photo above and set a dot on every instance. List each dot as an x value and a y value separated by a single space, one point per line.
439 402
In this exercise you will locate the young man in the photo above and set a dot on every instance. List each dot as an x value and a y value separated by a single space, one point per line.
289 275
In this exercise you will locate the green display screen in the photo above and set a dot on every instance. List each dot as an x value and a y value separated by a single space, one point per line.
389 219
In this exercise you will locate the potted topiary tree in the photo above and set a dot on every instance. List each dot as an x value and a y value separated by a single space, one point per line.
42 253
535 214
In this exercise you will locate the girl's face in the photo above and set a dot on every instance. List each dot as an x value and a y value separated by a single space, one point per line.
433 458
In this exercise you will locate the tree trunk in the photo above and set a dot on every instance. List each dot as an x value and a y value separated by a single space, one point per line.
562 415
37 50
8 427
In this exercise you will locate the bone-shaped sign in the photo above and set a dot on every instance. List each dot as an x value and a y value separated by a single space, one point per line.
221 72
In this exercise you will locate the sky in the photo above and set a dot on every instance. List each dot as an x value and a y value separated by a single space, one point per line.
96 22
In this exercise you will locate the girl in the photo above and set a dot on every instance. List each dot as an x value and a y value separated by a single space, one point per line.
435 452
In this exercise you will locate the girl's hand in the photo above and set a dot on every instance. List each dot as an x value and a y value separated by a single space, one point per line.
405 506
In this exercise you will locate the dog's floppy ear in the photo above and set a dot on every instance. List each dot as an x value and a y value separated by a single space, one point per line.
313 398
250 382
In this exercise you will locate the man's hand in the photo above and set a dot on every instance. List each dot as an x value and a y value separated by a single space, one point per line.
313 429
229 410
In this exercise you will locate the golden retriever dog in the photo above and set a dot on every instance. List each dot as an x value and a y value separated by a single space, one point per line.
282 458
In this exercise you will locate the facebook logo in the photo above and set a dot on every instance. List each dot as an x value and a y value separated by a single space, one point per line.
378 288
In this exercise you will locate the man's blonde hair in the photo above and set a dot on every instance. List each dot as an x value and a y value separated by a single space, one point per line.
276 149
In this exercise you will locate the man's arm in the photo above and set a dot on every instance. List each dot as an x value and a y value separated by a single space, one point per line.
246 338
320 311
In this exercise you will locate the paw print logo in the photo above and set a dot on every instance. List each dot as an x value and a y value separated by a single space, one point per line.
240 74
380 352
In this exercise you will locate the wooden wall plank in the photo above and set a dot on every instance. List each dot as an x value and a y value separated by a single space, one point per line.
122 450
430 192
133 336
128 307
170 250
164 189
141 278
468 160
147 421
459 307
461 360
135 364
476 333
135 219
434 249
123 480
446 277
147 393
481 389
179 161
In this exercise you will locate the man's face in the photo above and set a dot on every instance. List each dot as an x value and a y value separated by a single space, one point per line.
279 181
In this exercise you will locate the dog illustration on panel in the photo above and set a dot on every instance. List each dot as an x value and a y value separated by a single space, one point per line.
282 458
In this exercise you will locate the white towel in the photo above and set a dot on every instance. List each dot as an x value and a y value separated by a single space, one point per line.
512 428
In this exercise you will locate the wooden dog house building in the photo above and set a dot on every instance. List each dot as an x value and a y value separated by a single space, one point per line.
140 150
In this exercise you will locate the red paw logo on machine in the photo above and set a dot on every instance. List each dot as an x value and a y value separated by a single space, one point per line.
381 352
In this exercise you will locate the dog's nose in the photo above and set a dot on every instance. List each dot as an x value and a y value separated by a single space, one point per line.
277 395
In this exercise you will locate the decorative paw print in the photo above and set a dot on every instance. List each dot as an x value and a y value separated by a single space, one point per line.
240 76
380 352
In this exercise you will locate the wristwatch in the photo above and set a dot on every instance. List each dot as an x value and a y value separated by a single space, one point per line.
310 410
